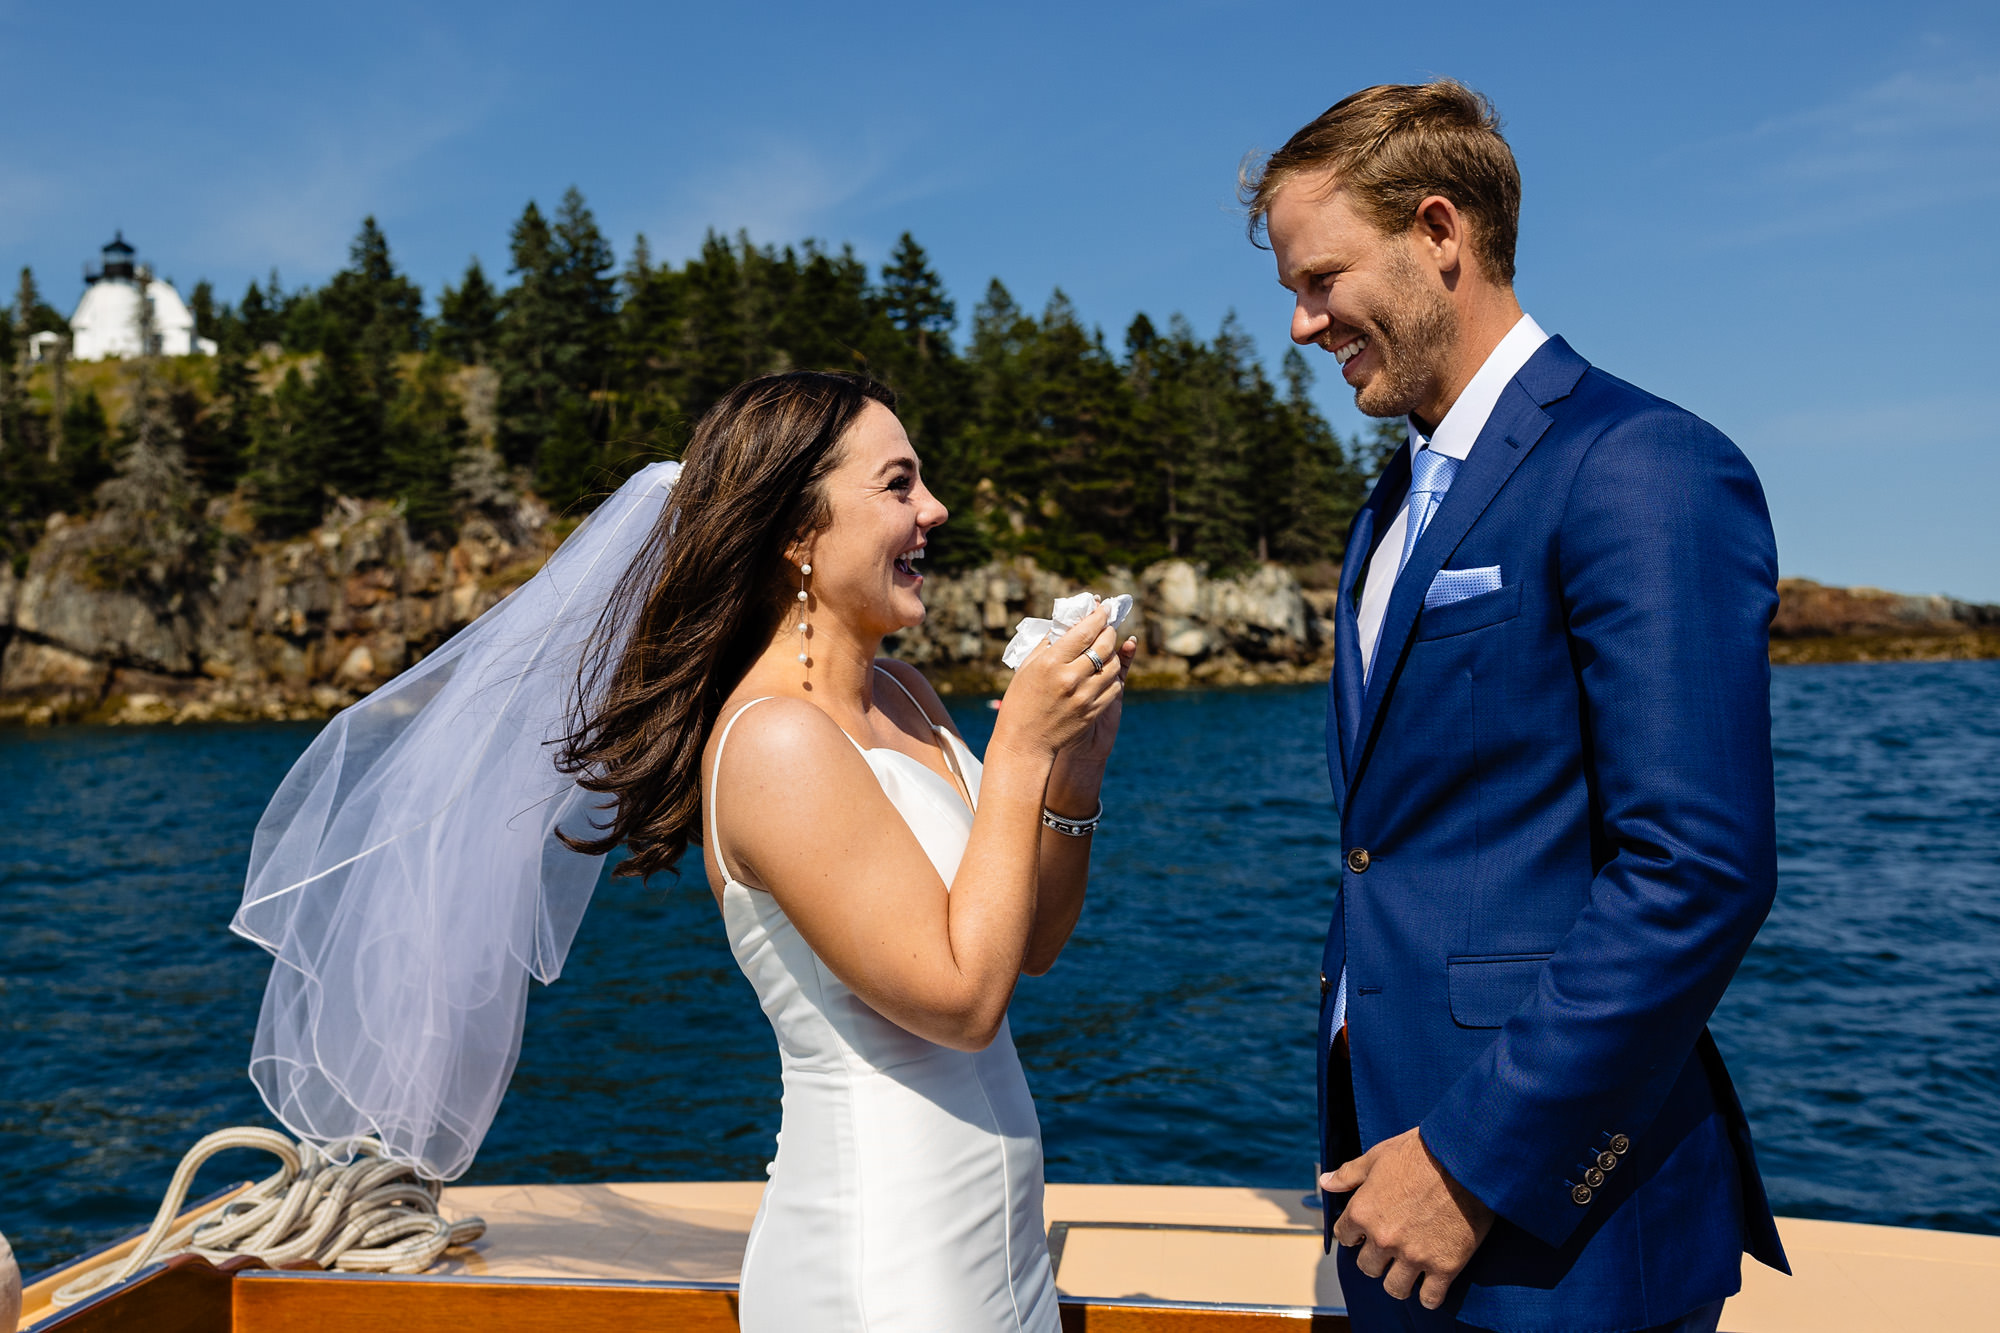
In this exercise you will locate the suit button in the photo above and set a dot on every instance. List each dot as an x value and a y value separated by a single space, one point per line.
1620 1144
1593 1178
1357 860
1607 1159
1580 1195
1324 985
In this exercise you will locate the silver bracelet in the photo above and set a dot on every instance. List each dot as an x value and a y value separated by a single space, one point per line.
1075 828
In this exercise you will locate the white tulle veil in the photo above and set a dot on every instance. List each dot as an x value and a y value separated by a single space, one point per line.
407 876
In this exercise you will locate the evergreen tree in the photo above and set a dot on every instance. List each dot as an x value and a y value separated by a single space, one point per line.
427 439
1323 488
10 354
260 315
1204 443
150 530
32 314
530 386
283 483
349 406
1373 450
372 307
221 450
555 348
913 297
201 304
88 456
468 318
918 361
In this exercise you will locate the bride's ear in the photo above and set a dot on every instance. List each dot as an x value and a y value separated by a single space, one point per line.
799 550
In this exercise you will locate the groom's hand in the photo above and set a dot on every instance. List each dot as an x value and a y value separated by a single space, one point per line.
1413 1222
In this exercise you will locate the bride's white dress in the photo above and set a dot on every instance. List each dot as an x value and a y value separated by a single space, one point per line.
907 1190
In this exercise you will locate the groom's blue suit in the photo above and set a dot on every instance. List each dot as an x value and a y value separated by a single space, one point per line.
1558 841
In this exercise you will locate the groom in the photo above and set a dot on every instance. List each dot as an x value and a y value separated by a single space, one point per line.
1550 733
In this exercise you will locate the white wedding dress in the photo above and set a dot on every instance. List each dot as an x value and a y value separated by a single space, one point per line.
907 1192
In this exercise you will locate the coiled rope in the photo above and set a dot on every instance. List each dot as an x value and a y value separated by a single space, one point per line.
369 1215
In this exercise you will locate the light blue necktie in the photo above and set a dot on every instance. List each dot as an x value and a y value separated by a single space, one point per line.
1430 477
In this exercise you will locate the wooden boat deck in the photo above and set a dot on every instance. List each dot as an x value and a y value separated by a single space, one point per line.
1128 1257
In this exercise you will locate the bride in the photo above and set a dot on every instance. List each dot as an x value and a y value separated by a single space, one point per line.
697 664
881 889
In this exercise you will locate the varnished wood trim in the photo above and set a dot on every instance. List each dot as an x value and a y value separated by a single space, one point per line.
1099 1317
184 1295
352 1302
267 1302
35 1297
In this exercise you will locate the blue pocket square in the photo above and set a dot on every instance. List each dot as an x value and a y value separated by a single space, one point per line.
1455 585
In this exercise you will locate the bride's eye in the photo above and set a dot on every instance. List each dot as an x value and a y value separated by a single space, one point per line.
900 484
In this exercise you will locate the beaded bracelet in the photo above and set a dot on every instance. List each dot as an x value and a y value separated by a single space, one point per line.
1075 828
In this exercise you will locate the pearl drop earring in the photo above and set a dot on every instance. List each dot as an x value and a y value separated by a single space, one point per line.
805 621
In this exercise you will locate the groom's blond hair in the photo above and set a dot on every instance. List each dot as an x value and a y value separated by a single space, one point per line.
1396 144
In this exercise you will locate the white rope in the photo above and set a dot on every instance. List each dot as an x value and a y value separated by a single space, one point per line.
371 1215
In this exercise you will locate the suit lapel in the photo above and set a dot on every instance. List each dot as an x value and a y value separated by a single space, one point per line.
1395 480
1516 423
1347 647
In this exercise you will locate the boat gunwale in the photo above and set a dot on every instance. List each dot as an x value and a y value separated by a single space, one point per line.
186 1213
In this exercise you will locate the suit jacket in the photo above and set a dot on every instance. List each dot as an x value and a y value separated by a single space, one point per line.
1557 820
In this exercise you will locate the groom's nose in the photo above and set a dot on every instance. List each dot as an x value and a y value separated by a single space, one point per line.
1309 321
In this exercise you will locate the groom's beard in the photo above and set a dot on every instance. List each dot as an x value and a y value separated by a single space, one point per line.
1415 337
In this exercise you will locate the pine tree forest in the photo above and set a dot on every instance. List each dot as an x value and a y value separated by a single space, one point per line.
568 372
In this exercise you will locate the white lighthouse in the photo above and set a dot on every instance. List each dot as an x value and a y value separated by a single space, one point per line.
124 303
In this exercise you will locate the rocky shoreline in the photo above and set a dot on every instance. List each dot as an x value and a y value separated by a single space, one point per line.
268 631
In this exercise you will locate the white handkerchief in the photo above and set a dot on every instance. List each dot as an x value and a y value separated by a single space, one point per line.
1068 610
1455 585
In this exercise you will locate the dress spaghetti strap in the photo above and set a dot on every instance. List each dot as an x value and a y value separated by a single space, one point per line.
922 712
715 781
939 732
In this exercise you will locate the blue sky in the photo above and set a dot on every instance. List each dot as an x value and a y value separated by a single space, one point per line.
1778 215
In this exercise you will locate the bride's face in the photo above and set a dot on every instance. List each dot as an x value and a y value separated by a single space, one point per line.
864 562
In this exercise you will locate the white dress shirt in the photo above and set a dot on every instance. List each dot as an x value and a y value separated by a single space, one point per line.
1455 437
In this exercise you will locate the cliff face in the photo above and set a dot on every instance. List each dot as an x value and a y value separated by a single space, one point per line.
1816 623
1192 629
302 628
271 631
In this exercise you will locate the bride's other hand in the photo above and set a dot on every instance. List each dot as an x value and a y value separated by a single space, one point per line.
1060 703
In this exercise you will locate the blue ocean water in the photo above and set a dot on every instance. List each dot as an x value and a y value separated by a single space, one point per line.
1173 1043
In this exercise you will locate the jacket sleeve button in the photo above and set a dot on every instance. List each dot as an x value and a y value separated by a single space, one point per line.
1607 1159
1620 1144
1580 1195
1357 860
1593 1178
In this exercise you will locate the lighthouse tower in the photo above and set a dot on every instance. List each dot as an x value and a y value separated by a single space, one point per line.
124 307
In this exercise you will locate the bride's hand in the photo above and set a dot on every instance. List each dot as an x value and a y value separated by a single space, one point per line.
1086 757
1060 699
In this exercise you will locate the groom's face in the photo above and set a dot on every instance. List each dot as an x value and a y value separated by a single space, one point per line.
1363 295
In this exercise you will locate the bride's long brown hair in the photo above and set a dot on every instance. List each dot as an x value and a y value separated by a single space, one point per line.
702 599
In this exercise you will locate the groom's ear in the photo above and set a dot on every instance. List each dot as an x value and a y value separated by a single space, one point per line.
1439 230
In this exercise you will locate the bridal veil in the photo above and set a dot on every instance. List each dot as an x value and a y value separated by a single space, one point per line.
407 875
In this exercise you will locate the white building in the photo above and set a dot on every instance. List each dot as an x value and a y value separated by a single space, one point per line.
123 303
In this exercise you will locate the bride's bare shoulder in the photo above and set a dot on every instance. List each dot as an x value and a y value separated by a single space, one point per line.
781 736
